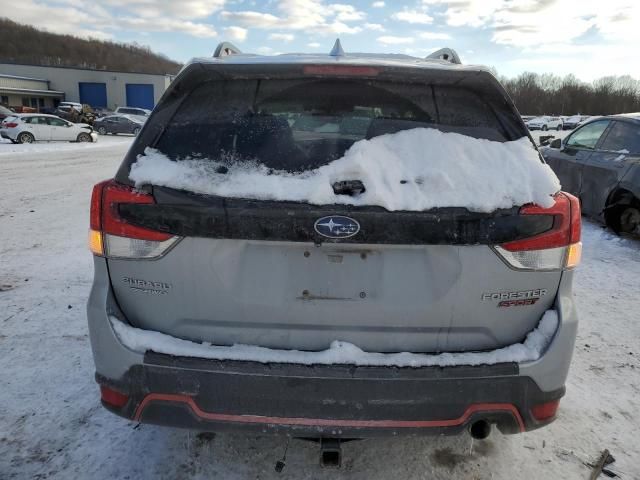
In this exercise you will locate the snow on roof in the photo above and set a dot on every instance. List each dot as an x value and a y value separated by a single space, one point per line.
341 353
412 170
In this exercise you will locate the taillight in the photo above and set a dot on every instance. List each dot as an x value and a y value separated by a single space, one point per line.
10 125
341 70
557 248
112 236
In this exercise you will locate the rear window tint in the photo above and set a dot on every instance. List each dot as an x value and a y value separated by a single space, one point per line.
302 124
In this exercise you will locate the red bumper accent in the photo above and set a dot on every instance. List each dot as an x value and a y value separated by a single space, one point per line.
329 422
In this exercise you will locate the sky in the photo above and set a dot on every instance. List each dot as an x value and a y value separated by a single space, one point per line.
587 38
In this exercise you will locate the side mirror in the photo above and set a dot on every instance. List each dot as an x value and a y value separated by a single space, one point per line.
556 143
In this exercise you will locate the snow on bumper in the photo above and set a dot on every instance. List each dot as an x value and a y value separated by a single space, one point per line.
339 352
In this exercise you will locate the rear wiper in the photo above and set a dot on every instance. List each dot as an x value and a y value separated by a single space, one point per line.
348 187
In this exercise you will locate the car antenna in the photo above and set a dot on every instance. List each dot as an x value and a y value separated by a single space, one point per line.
337 50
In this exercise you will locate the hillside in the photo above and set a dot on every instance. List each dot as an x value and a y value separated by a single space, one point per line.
27 45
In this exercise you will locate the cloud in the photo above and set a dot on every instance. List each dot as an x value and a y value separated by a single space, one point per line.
373 27
87 19
523 23
377 4
282 37
313 45
236 33
412 16
183 9
434 36
313 16
391 40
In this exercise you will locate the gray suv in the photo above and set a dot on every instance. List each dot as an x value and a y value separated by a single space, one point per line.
204 271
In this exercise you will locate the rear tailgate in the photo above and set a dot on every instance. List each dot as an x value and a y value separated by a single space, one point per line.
258 272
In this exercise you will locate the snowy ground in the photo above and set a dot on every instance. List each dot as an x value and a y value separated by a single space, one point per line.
52 425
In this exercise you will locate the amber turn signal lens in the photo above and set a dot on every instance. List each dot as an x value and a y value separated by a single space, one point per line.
95 242
574 254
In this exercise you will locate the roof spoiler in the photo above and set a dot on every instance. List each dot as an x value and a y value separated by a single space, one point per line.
224 49
446 54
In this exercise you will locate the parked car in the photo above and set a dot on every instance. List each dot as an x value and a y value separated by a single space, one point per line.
139 112
545 123
66 105
116 124
29 128
4 113
572 122
292 277
600 164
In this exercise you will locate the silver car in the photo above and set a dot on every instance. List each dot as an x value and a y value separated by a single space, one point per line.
280 276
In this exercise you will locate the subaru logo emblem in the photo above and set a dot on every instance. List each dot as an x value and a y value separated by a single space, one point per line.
336 226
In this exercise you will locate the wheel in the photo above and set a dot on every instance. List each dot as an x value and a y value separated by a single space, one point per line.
102 130
559 127
630 220
25 137
136 131
84 137
544 128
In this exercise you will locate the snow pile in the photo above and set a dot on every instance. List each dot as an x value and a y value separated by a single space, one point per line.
339 352
414 169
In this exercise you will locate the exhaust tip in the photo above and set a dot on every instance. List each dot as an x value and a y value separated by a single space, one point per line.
480 430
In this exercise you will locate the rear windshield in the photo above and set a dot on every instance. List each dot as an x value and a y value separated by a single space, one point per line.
296 125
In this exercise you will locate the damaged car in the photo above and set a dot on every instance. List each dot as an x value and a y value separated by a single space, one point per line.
600 164
334 246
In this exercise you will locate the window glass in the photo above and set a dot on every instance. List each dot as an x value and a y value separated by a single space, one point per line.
587 136
622 136
297 125
57 122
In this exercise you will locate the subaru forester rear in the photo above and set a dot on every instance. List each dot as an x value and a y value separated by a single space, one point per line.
223 303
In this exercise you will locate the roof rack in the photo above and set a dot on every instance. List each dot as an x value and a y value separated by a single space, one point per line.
224 49
446 54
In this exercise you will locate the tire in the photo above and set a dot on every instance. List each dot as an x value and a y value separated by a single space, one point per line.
25 137
84 137
629 220
559 127
102 130
544 128
136 131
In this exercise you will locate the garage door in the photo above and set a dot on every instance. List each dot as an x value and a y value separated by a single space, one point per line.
140 95
95 94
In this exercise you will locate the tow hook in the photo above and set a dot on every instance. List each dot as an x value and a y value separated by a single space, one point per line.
330 453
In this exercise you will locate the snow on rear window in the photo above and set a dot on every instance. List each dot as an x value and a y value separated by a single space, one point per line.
412 170
339 352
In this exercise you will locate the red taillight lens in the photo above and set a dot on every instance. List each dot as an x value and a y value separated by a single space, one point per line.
557 248
565 230
112 236
115 194
10 125
341 70
113 398
545 411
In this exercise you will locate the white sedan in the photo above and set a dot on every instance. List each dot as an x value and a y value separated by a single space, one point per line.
36 127
545 123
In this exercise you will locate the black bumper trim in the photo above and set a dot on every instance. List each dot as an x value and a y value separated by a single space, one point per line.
326 400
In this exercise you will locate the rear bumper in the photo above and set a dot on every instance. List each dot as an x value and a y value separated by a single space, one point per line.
327 401
5 134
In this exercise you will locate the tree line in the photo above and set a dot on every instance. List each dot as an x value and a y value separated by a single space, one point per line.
26 45
548 94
